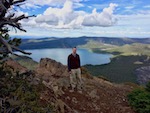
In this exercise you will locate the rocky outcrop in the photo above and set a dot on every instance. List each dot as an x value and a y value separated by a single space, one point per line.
143 75
53 74
50 67
98 95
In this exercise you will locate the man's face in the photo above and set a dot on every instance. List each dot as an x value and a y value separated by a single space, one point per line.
74 50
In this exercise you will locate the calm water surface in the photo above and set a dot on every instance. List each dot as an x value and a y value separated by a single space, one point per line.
61 55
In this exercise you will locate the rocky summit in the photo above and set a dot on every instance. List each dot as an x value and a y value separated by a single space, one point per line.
97 96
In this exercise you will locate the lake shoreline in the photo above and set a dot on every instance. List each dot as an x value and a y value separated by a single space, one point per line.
61 54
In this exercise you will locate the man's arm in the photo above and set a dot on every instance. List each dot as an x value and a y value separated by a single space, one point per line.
79 61
69 68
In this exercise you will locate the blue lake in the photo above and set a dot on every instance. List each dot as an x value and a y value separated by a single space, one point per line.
61 55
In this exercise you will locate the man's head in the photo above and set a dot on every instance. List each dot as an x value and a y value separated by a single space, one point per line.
74 50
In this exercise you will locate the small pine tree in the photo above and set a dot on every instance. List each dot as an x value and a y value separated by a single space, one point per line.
15 42
139 99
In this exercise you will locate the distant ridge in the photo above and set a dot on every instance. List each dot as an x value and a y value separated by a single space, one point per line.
68 42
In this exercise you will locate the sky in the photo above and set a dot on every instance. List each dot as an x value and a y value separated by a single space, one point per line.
94 18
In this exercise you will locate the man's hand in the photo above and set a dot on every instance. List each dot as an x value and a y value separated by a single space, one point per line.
70 72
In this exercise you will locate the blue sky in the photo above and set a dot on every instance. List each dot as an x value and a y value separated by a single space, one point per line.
74 18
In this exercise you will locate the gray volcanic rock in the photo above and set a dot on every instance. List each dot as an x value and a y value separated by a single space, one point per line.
51 67
143 75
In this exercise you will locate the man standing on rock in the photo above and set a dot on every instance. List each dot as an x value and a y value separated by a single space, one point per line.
74 71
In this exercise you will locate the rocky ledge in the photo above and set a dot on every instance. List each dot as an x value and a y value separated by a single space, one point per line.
98 95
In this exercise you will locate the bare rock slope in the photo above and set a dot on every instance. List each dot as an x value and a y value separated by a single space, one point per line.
98 95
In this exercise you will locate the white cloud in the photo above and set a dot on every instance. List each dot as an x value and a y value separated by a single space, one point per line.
146 12
49 19
128 26
29 5
78 5
61 19
134 20
105 18
67 18
45 2
37 3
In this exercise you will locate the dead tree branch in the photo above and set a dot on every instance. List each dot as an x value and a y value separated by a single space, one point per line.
10 20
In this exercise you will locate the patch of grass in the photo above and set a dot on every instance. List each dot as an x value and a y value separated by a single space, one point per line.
95 44
126 50
120 69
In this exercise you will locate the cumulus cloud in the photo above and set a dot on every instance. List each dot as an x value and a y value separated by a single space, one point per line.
63 17
49 19
62 14
67 18
105 18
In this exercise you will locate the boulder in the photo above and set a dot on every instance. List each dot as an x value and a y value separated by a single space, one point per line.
51 68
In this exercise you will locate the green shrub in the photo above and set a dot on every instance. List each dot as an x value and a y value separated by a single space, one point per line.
139 99
21 94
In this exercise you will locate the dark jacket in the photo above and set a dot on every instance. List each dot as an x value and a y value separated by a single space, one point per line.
73 62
